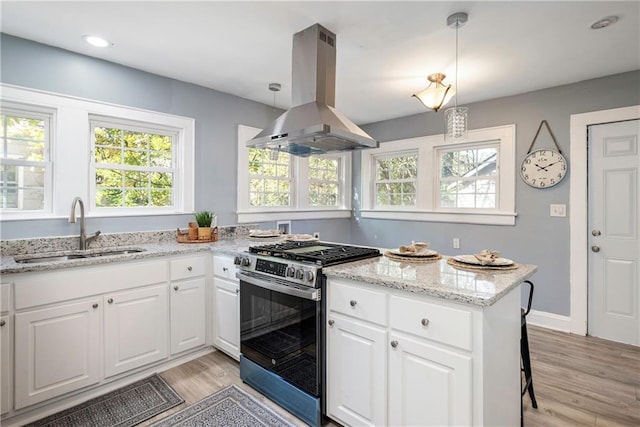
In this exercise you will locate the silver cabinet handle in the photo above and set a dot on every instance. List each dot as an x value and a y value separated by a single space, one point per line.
95 305
394 343
595 248
176 287
189 268
2 323
110 300
353 303
595 232
331 322
225 269
424 321
237 291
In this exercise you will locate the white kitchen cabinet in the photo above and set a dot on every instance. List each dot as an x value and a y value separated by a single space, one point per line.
226 335
428 384
187 314
5 363
356 374
57 350
135 328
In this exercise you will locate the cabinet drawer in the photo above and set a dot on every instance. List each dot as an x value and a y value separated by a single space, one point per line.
5 297
185 268
223 266
436 322
362 303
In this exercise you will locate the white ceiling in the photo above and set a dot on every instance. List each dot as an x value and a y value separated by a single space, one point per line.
385 49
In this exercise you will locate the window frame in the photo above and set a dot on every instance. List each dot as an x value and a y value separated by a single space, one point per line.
426 208
300 208
49 117
70 133
375 181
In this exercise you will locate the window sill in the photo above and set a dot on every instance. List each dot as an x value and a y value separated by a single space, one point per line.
298 214
26 216
497 218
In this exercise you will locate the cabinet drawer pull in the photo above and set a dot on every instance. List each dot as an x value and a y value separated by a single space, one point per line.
394 343
189 268
331 322
110 300
95 305
176 287
424 321
237 291
353 303
2 323
225 269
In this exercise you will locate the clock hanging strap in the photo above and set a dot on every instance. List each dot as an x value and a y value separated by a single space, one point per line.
544 122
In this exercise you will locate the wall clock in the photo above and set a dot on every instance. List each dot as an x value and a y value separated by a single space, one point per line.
543 168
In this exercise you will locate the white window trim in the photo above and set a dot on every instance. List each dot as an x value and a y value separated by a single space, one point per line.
297 211
426 208
71 134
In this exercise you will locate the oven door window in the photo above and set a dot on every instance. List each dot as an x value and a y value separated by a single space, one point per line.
280 332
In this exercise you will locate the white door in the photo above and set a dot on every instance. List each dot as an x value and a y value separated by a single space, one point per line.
187 315
135 329
614 218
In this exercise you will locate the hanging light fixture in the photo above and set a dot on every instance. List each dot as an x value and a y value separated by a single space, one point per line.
456 117
436 94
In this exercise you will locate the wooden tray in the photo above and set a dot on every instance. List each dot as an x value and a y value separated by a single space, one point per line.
183 237
412 259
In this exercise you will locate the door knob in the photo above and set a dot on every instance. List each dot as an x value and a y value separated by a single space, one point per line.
595 248
595 232
394 344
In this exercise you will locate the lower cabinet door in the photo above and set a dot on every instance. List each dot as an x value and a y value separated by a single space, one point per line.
57 350
226 334
356 372
5 367
135 329
428 385
187 315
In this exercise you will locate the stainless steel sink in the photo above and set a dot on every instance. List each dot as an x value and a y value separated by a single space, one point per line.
35 259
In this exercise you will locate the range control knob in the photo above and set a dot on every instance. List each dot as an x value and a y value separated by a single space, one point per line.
291 272
299 274
309 276
236 260
245 262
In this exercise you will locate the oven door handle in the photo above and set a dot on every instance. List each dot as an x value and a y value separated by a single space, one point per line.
311 294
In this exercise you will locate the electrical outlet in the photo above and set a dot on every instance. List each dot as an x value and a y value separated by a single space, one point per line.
316 234
558 210
456 243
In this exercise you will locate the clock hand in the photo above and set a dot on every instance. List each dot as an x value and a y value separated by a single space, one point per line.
544 168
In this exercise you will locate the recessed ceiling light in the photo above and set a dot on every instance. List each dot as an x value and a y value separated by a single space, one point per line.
604 22
96 41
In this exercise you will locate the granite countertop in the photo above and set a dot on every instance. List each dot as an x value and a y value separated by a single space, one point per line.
435 278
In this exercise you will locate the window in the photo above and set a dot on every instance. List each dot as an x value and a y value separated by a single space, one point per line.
120 160
24 160
396 180
426 179
468 177
133 168
279 186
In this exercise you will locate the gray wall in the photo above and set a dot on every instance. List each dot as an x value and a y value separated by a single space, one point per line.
536 238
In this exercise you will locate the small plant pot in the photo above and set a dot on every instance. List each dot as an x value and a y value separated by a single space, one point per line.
204 233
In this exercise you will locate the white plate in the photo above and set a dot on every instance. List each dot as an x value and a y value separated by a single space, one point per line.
470 259
424 254
300 238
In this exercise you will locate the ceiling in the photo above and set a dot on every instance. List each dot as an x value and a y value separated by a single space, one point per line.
385 49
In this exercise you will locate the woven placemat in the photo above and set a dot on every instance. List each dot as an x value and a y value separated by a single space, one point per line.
463 265
412 259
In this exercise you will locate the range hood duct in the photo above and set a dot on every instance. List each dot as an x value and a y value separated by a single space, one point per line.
312 125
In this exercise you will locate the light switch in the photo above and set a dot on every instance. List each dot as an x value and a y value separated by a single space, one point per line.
558 210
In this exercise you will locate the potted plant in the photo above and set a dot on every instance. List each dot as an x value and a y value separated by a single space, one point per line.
204 220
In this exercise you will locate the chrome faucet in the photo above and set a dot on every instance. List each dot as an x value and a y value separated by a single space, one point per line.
84 239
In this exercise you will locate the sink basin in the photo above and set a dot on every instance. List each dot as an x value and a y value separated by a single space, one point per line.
35 259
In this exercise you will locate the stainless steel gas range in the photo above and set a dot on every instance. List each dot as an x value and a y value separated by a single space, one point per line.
282 334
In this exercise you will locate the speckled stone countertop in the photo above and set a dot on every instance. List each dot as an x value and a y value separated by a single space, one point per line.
435 278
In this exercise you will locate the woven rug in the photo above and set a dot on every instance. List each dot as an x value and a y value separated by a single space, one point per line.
228 407
124 407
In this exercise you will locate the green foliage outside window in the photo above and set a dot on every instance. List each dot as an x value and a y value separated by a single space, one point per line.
396 180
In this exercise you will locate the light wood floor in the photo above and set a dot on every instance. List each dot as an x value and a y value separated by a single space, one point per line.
579 381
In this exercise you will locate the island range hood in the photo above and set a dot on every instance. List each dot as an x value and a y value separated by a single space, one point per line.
312 125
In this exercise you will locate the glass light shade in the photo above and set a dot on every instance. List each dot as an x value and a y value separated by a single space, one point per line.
436 94
455 119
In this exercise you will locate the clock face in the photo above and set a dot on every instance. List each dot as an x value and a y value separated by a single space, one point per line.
543 168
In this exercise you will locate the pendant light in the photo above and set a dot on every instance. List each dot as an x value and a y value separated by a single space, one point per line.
436 94
456 117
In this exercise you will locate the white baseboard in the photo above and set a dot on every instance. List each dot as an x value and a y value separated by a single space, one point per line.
549 320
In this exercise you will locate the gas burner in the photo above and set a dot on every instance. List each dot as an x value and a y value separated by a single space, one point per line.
319 253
